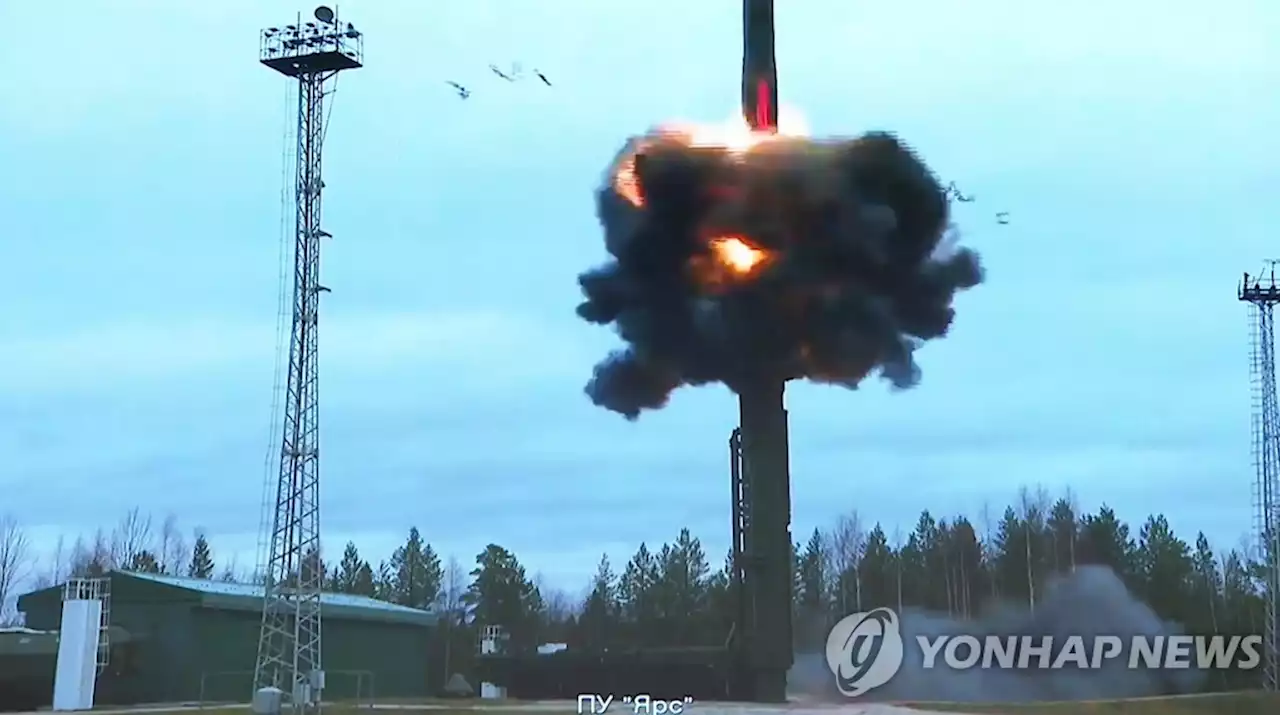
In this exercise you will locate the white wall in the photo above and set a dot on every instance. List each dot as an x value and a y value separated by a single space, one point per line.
77 669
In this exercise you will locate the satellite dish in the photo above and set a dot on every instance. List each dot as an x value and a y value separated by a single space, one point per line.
324 14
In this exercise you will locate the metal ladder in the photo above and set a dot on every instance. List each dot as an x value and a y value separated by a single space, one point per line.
94 589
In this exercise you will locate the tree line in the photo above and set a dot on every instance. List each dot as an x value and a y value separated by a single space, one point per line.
673 595
136 543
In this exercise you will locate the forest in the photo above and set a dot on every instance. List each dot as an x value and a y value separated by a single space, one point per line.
675 594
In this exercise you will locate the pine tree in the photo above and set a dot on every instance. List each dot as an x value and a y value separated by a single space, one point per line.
201 565
1011 564
1240 599
143 562
877 572
1208 586
683 578
965 568
432 576
384 583
1063 533
346 576
811 586
637 592
812 594
364 584
1105 540
1165 570
600 611
928 586
722 603
912 574
501 594
312 568
416 573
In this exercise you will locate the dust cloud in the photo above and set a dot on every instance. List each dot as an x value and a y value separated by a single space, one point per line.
1090 602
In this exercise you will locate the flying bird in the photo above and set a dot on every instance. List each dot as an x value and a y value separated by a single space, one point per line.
463 92
960 196
542 77
508 77
1003 218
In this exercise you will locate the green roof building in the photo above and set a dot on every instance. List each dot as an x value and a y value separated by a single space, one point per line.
195 640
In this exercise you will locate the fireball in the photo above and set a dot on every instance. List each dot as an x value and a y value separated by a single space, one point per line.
736 255
734 137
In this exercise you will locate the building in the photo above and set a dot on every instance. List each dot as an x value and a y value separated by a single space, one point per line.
24 684
27 661
195 640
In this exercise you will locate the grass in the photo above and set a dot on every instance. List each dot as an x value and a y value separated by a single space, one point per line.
1244 703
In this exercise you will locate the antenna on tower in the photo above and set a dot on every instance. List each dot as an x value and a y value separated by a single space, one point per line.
1263 294
312 54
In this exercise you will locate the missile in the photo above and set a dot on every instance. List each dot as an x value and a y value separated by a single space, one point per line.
759 69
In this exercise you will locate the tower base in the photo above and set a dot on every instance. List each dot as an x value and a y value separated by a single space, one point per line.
765 569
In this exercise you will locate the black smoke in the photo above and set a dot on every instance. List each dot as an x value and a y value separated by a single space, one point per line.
858 276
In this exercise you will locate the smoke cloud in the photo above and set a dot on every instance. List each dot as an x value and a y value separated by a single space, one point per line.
849 267
1090 602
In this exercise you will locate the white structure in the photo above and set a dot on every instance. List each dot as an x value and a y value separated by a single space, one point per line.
491 641
267 701
549 648
81 643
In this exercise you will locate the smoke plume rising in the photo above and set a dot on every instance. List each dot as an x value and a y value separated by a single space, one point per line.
1090 602
781 259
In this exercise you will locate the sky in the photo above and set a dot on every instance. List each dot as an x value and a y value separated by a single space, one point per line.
141 146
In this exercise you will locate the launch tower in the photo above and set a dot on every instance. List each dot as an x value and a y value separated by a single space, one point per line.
311 53
762 476
1262 294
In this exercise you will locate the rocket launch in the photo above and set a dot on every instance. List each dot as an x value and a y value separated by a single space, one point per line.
759 68
751 259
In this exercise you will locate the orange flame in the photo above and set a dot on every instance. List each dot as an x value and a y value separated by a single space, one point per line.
732 258
626 183
736 254
734 136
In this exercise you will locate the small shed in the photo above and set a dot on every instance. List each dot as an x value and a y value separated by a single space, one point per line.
196 640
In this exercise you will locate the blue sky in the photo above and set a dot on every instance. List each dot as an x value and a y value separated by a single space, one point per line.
1134 147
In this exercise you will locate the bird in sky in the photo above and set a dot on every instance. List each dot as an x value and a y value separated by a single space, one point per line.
542 77
1002 218
510 77
953 190
463 92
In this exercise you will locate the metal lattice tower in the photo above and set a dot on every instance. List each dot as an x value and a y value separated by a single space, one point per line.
740 504
1262 294
311 53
